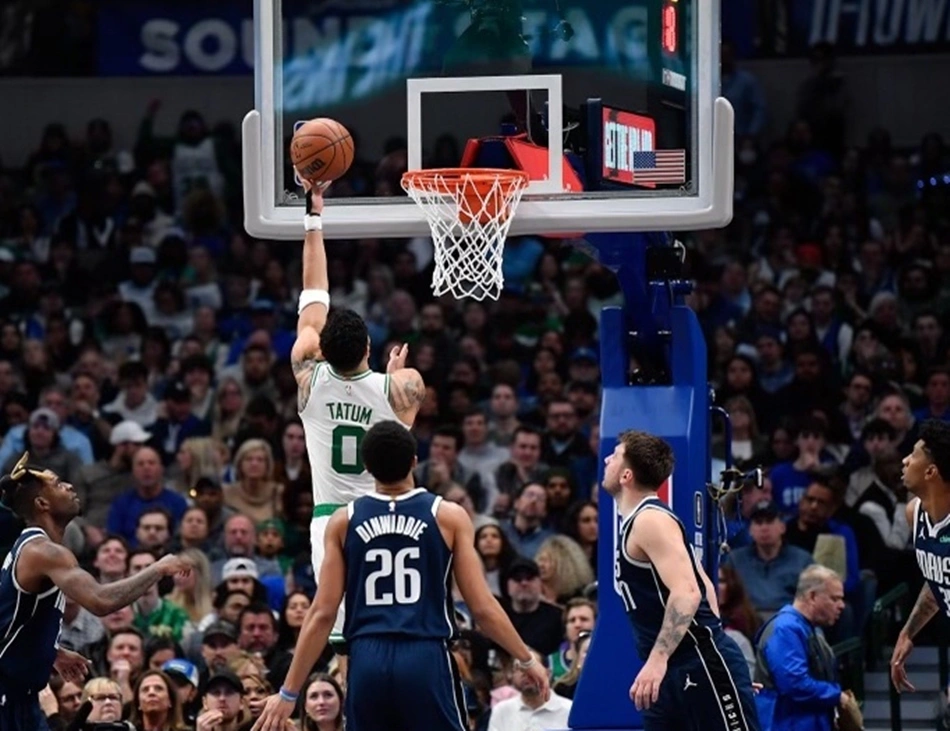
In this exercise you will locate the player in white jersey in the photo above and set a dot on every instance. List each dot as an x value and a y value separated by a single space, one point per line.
339 396
927 476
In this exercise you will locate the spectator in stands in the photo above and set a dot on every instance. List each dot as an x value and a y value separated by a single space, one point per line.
529 709
148 490
153 530
323 704
523 466
503 408
579 617
80 627
443 467
186 678
565 571
791 479
100 483
525 530
223 702
218 647
257 633
133 402
155 615
240 539
496 553
155 703
795 663
254 493
538 623
112 559
42 441
480 455
743 91
768 568
126 658
178 423
72 439
104 699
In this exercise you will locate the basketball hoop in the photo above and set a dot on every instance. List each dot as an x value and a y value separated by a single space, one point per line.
469 211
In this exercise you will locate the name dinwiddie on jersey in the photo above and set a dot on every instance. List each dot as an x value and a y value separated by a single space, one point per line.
386 525
353 413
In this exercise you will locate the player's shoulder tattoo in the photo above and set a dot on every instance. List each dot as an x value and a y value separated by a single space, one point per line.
407 392
303 373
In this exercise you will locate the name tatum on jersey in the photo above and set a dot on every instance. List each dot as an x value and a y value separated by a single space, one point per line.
387 525
353 413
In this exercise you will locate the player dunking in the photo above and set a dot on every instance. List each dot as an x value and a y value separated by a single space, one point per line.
927 476
391 552
36 575
694 678
339 397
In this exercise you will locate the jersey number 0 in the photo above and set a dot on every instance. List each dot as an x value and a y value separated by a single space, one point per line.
406 580
346 449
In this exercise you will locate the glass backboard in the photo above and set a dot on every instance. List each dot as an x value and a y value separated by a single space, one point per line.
610 106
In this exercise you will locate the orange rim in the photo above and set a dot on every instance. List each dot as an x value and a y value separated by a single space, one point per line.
454 179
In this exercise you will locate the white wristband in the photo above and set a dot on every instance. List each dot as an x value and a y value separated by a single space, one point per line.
312 223
523 665
313 297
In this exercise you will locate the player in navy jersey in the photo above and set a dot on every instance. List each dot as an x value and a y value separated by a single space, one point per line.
394 554
36 575
694 677
927 476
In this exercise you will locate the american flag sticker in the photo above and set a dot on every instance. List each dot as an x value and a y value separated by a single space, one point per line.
659 167
297 125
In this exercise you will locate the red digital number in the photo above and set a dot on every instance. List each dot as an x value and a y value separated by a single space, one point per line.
668 41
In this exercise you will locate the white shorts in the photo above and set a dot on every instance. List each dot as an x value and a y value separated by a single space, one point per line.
318 531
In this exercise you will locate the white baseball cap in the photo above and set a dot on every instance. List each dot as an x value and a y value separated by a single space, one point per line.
237 568
128 431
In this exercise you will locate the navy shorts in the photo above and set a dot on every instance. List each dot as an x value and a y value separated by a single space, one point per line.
399 684
706 688
20 711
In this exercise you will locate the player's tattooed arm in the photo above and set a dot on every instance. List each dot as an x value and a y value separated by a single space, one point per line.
664 547
924 610
679 615
303 373
407 391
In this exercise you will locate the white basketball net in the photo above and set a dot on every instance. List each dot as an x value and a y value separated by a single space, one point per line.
469 223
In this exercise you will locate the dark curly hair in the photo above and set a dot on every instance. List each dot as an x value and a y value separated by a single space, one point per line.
344 339
388 450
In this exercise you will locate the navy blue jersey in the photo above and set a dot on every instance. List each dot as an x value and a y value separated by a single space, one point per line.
932 546
643 592
398 568
29 624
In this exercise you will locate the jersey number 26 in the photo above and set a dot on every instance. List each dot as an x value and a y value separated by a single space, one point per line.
406 581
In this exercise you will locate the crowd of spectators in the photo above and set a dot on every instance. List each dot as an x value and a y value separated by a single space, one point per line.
144 356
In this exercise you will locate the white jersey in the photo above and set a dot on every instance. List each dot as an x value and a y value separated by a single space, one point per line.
337 415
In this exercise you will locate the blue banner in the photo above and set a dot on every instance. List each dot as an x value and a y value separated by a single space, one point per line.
367 38
777 28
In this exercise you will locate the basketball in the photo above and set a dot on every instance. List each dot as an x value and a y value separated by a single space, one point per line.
322 150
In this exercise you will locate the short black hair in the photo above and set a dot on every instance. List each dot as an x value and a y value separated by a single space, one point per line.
343 339
19 495
256 608
388 451
935 434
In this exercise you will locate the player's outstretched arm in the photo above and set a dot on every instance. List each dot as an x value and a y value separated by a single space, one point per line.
924 610
486 611
314 299
316 627
59 564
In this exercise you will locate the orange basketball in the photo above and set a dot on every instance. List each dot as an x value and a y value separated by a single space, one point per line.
322 150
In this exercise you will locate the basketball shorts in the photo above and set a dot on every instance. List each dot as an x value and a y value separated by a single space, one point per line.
400 684
318 531
21 712
707 688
